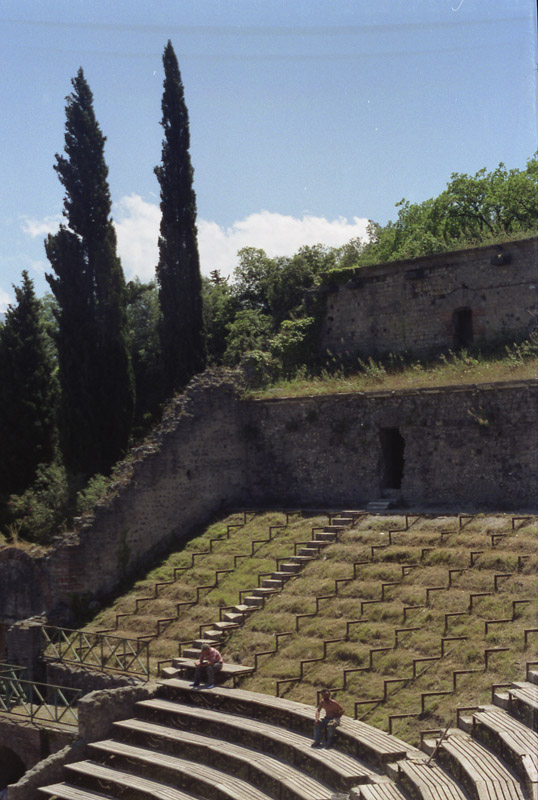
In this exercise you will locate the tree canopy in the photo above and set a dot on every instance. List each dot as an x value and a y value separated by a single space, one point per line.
178 270
27 392
472 210
88 284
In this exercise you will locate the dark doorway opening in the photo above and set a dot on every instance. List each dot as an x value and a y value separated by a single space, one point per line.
11 767
392 451
462 328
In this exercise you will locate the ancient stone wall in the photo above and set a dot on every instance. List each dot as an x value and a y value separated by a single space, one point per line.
455 448
462 447
435 303
193 465
23 745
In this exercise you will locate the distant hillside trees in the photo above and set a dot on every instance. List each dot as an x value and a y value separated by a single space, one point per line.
178 270
28 392
94 366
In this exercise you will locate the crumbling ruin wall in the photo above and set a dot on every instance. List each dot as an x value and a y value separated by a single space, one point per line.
434 303
192 465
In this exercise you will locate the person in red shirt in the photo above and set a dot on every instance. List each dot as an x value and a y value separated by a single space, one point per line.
326 726
211 660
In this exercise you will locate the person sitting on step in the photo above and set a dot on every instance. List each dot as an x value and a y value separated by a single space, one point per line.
210 660
327 726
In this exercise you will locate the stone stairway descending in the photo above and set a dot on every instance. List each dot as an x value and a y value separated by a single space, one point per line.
269 586
229 744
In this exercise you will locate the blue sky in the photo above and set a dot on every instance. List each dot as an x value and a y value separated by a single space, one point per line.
308 117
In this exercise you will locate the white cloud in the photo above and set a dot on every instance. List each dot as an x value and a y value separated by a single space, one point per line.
40 227
137 228
277 234
5 300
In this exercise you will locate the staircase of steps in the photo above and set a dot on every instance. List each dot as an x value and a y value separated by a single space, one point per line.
521 700
255 598
236 745
380 506
493 753
176 749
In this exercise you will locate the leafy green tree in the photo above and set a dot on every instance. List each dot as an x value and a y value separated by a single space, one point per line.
294 345
253 278
472 210
250 330
293 276
178 271
94 366
28 392
220 307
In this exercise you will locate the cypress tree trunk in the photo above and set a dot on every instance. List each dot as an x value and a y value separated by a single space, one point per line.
94 364
178 271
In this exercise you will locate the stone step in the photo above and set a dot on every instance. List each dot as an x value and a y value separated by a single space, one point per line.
243 608
223 626
532 677
324 536
271 583
290 567
190 652
501 699
315 545
199 643
345 521
236 618
300 560
264 591
334 527
281 576
213 635
254 602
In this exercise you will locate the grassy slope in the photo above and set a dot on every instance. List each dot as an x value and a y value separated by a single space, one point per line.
442 552
516 364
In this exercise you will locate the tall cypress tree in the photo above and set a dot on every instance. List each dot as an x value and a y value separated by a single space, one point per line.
27 392
178 271
95 371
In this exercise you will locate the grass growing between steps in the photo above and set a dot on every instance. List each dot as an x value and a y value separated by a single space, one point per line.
236 563
434 554
417 581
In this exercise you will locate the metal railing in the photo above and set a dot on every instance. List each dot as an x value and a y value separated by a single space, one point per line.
98 650
39 702
11 670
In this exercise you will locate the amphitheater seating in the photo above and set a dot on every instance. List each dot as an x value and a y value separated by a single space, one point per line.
513 740
181 666
478 769
236 745
428 781
361 740
183 743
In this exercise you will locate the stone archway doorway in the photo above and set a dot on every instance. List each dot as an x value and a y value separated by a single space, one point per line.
11 767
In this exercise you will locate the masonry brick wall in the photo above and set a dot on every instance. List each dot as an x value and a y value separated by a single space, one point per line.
409 305
464 447
31 743
193 465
